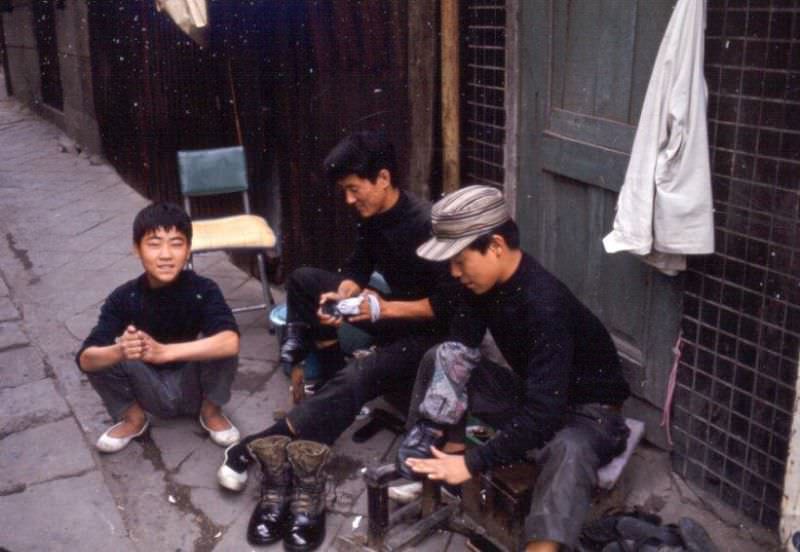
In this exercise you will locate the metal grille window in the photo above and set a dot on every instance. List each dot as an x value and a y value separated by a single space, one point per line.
483 118
741 322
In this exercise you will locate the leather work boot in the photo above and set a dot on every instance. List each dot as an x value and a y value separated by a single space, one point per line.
417 443
294 347
306 527
268 522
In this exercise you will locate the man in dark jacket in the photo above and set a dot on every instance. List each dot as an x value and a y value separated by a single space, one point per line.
560 400
393 223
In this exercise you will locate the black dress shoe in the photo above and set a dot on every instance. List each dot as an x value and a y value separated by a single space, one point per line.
694 536
294 347
417 444
304 532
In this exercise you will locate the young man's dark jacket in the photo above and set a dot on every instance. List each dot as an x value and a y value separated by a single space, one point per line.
181 311
556 345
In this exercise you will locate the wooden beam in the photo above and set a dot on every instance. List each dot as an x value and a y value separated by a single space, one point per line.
451 123
421 93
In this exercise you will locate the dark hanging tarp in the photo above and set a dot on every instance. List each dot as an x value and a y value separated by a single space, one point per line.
303 75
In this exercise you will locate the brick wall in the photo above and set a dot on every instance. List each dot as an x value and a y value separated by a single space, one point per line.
741 317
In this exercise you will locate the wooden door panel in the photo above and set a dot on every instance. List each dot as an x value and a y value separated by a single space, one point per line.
592 61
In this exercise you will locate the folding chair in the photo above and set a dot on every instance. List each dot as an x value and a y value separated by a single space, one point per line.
223 171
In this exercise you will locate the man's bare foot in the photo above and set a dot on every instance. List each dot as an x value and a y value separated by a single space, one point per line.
132 422
127 427
219 428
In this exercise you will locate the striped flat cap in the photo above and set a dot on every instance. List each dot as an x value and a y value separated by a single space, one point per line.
460 217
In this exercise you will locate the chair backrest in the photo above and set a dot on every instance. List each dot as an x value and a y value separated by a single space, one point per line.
212 171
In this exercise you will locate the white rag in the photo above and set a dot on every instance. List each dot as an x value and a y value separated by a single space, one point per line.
665 209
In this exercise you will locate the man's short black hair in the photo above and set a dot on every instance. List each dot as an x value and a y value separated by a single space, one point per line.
362 153
161 215
508 230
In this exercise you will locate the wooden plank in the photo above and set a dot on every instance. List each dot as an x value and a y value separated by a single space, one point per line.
511 100
556 37
421 83
614 60
584 162
583 32
586 128
652 17
451 122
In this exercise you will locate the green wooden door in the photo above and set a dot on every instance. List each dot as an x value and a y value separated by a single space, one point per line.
583 68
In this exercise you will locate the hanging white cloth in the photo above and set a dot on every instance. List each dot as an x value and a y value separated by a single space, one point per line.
664 209
190 15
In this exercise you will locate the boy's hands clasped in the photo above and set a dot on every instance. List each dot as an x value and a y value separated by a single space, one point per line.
138 345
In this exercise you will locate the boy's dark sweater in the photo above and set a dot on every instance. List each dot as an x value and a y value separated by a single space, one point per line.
562 352
181 311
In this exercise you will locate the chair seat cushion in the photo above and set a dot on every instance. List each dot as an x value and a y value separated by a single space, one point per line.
237 232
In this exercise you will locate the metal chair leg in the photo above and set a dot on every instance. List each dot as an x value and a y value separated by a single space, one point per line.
262 272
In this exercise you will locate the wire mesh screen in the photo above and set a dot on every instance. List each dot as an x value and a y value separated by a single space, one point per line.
741 324
483 118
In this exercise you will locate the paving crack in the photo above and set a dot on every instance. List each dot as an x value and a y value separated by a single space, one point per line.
180 495
19 253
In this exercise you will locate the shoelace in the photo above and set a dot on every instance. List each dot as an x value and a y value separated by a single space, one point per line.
274 489
307 496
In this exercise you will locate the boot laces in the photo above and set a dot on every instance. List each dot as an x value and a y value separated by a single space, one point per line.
273 489
307 496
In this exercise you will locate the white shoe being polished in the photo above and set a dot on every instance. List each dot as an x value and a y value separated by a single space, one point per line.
224 437
232 474
108 444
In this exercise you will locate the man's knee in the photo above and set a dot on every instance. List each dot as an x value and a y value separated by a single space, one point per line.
302 278
568 448
428 361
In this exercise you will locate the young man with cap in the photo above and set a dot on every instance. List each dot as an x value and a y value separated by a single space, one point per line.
559 402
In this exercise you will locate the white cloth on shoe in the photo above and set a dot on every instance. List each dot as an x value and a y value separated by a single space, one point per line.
665 209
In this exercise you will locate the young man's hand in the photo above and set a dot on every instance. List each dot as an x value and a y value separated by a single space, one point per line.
365 309
154 352
131 344
347 289
449 468
327 319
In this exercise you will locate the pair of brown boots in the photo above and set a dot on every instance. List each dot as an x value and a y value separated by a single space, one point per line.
292 503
